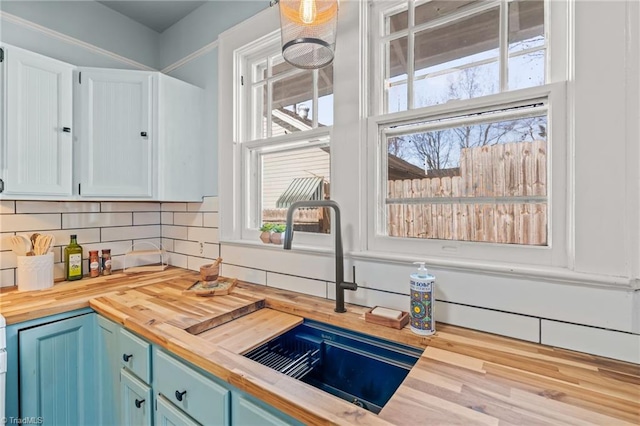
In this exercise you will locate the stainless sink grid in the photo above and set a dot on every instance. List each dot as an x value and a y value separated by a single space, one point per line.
295 356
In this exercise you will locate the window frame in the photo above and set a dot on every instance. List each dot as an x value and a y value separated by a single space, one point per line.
559 150
245 57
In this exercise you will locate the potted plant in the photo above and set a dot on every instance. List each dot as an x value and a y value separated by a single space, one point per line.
265 236
276 233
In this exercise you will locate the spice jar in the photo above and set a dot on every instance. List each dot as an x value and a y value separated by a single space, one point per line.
106 261
94 263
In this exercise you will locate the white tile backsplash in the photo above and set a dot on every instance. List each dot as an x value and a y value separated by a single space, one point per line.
130 207
210 219
7 207
7 277
130 232
505 324
173 207
166 218
202 234
96 220
146 218
28 222
175 232
57 207
188 219
114 225
297 284
608 343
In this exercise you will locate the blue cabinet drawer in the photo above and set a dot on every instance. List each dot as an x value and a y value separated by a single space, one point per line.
135 355
136 401
198 396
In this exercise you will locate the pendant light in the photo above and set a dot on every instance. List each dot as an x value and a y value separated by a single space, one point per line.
308 31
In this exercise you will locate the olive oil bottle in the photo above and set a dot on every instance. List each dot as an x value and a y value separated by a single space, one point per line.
73 260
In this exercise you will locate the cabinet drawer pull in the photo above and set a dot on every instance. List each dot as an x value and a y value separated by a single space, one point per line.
126 357
180 395
143 134
139 402
66 129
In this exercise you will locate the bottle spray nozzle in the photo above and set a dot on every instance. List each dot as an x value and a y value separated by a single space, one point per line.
422 271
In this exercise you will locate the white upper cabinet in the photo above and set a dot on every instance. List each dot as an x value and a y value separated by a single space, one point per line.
36 157
117 139
136 135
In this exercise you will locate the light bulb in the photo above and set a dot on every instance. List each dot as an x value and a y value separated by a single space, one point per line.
308 11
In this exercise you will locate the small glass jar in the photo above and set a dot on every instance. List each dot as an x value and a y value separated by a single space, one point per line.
94 263
106 261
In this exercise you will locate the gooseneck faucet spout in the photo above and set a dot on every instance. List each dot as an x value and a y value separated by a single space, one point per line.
341 285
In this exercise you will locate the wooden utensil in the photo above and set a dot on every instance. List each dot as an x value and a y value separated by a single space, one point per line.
43 243
21 244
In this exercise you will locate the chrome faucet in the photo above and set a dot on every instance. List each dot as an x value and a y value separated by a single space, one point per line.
341 285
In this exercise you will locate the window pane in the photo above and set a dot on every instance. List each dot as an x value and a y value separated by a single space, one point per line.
396 22
396 75
438 88
325 96
435 9
293 175
526 70
526 25
259 108
466 49
292 103
526 44
479 182
279 65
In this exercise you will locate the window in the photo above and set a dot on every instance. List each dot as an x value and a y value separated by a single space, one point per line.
284 126
467 130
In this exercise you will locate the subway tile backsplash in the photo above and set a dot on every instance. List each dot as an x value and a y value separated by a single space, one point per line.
187 231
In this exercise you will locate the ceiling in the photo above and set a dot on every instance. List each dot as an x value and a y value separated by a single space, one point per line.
157 15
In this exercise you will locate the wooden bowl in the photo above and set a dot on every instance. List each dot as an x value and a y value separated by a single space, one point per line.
209 272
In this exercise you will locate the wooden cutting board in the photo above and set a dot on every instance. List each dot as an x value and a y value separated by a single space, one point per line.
164 302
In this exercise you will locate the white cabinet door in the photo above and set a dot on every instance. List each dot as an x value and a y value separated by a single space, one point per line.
38 139
117 134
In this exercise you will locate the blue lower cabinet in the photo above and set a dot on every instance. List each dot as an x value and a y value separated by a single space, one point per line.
248 411
108 372
57 371
135 401
168 415
195 394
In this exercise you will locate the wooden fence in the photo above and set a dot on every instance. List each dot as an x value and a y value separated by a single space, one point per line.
500 196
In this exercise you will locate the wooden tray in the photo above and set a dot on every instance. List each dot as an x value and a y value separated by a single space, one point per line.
219 287
387 322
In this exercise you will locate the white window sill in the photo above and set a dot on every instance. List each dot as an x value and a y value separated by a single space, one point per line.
301 248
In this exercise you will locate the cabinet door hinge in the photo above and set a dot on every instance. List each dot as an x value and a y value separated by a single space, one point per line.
79 192
1 54
80 77
1 185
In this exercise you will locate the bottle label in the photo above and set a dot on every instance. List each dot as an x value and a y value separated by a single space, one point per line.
75 265
422 320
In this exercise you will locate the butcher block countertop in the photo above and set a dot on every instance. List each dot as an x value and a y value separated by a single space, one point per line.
463 377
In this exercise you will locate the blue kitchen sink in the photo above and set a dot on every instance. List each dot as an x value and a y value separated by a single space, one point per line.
358 368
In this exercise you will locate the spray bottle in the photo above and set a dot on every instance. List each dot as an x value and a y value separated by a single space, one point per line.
422 287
